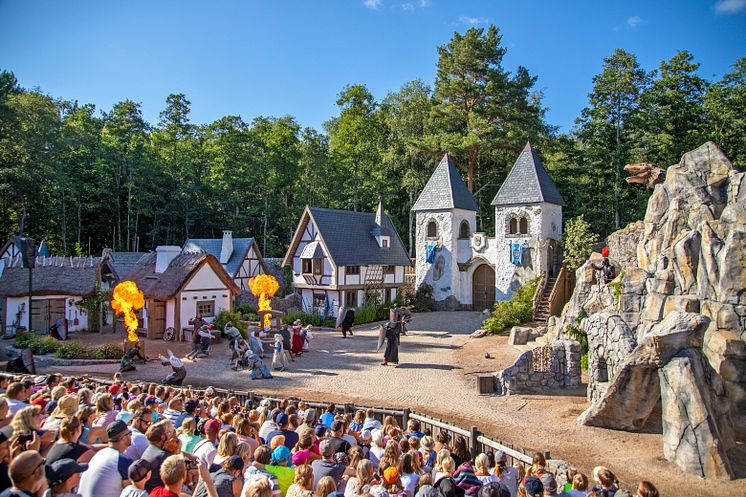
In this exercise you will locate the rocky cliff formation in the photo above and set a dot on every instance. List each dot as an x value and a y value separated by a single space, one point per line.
673 322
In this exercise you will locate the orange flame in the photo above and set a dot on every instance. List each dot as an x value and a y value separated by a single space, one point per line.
264 286
125 300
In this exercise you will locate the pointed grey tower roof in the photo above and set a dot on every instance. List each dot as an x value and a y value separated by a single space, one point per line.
528 182
445 190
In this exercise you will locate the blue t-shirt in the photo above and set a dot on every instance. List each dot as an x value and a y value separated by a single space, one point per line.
327 419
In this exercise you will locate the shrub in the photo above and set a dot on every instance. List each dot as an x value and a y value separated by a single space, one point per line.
246 310
577 243
307 318
507 314
78 350
235 317
37 345
366 314
423 300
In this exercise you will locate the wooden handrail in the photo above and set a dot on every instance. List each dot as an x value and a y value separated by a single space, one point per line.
538 293
557 300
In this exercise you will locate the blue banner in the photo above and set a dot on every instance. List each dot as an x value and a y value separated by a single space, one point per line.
516 253
429 254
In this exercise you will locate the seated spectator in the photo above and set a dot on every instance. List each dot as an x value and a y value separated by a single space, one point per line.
362 481
278 466
578 486
326 486
131 408
190 407
329 415
227 479
67 406
26 474
413 429
302 483
63 476
606 481
533 486
108 468
467 480
392 481
647 489
370 422
139 424
18 394
226 448
172 476
283 428
508 475
187 436
260 488
327 467
162 443
139 473
67 446
337 442
494 489
482 469
549 484
105 410
247 432
4 410
257 471
207 448
538 465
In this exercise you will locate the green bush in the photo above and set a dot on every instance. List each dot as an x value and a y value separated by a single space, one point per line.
507 314
307 318
423 300
37 345
235 317
366 314
577 243
78 350
246 310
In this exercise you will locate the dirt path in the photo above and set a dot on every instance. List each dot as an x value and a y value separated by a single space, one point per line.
436 375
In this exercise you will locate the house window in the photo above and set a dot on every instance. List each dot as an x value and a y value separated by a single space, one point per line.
206 308
513 226
385 243
389 269
306 266
463 231
432 229
319 300
523 225
318 266
351 299
353 270
387 295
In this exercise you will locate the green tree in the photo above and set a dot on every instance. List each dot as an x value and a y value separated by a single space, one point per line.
725 108
578 240
607 133
673 111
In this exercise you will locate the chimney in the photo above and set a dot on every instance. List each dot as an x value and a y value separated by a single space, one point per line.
164 254
227 250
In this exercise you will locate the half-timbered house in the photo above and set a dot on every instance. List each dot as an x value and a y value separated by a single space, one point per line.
240 257
341 258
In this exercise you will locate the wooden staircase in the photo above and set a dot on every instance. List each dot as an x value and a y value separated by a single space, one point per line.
542 312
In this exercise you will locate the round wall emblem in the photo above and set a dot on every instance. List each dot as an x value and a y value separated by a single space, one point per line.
478 241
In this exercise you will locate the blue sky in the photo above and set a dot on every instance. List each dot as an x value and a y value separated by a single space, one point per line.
277 58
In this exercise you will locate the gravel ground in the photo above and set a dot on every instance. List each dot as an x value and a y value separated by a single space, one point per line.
436 375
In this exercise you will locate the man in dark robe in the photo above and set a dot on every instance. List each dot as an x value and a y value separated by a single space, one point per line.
391 353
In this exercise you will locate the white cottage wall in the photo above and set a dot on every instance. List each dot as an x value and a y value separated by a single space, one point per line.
204 285
71 311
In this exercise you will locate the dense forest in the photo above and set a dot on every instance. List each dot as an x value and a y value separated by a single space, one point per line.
83 179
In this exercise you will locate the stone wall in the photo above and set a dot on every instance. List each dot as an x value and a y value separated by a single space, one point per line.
542 370
610 341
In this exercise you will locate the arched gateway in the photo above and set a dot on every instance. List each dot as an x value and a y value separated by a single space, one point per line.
483 288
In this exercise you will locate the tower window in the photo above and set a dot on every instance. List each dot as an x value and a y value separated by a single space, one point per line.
513 226
523 225
432 229
463 231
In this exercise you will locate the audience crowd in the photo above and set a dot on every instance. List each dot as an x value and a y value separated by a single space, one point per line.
67 437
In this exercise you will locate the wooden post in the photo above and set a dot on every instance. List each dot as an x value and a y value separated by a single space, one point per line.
473 445
405 418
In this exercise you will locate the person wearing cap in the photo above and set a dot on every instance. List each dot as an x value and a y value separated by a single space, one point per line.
309 422
495 489
549 484
64 476
162 443
207 448
279 466
139 424
338 443
190 408
392 480
139 473
107 470
27 476
283 424
533 486
326 465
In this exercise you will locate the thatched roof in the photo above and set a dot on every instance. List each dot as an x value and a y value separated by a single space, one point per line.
54 276
166 285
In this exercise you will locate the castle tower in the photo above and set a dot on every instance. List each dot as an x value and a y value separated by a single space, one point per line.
528 224
445 217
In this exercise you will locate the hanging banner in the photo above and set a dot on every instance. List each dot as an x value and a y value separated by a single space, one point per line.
516 253
429 254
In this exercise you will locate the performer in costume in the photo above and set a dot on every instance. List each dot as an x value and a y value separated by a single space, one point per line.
296 347
348 322
178 373
279 359
392 344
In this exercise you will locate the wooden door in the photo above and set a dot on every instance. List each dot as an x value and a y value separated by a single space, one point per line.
483 288
45 312
156 318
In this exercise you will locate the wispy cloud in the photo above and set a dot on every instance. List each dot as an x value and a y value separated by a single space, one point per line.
634 21
407 7
424 3
473 21
373 4
412 6
730 6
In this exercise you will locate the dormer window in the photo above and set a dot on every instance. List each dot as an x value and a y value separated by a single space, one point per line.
384 243
432 229
463 232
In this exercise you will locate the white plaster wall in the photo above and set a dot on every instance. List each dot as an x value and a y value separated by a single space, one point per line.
450 249
205 285
205 278
328 267
71 311
508 277
171 313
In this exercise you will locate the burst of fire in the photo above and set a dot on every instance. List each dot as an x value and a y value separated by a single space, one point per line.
125 300
264 286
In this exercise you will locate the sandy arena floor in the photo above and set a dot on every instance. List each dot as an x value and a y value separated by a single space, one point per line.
436 375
